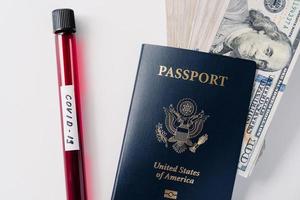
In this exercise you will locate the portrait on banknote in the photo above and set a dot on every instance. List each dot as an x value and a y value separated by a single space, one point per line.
250 35
265 31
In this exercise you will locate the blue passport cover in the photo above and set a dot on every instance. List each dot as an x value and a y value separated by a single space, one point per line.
185 126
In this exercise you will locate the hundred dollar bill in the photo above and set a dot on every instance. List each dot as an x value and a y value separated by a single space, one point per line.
267 32
179 21
190 22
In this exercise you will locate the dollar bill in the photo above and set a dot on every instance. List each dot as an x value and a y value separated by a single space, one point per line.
179 21
189 22
267 32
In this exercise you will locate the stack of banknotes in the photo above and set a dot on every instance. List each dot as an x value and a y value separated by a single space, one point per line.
265 31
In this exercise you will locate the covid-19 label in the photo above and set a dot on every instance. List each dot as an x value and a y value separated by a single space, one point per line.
70 128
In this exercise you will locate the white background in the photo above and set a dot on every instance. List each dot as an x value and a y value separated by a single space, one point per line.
111 33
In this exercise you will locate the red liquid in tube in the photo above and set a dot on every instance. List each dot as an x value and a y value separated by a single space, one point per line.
69 96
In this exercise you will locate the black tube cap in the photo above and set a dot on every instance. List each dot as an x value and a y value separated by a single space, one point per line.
63 20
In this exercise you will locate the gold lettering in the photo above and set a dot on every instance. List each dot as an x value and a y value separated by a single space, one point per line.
206 77
186 74
194 75
213 79
162 69
223 78
178 74
170 73
191 75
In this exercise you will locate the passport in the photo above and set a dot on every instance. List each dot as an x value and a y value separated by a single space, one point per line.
185 126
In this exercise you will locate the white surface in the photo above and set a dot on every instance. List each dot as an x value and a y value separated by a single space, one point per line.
111 33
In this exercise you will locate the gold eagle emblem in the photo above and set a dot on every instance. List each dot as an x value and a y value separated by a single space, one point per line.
184 125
